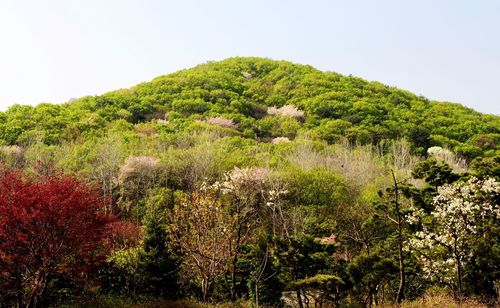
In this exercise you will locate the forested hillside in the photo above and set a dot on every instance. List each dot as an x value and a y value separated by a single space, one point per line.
252 182
242 89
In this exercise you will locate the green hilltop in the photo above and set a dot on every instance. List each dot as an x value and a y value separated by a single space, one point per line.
335 107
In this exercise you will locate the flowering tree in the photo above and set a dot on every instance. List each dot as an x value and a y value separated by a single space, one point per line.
213 224
47 225
461 212
136 176
287 111
459 165
250 199
202 231
222 122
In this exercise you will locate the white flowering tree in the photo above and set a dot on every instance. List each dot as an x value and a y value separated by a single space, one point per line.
250 195
253 192
460 212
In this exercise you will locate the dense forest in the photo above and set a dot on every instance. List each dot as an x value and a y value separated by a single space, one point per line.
254 183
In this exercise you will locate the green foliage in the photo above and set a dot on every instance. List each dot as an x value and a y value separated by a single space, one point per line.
151 146
434 172
369 272
265 279
489 165
158 258
323 287
316 187
303 257
340 106
187 106
333 130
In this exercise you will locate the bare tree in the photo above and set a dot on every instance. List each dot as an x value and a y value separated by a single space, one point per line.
106 164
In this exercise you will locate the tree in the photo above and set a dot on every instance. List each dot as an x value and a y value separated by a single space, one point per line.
435 173
249 196
369 273
394 211
122 273
48 225
244 189
301 257
462 211
160 263
136 176
202 231
105 161
323 288
264 284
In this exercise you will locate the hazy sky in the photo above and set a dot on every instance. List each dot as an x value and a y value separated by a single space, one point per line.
51 51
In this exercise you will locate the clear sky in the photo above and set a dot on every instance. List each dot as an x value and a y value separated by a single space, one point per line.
51 51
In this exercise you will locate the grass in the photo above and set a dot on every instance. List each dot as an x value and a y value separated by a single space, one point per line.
147 302
439 299
432 299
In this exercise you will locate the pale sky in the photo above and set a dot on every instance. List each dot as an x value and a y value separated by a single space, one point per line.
54 50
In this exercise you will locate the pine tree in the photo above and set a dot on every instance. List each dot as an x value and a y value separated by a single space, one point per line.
159 260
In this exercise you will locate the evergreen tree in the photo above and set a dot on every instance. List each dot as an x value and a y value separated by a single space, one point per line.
158 259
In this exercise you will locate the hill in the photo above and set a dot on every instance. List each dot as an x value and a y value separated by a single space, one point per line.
253 182
242 90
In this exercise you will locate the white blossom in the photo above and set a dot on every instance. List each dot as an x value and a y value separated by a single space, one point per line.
459 212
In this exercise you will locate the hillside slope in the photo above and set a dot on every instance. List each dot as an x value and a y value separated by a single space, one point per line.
242 89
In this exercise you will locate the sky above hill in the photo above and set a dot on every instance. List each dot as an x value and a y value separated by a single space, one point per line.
55 50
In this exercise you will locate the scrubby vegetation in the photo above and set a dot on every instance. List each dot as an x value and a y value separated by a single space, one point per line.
251 182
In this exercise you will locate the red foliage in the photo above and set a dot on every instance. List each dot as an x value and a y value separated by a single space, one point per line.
47 224
123 234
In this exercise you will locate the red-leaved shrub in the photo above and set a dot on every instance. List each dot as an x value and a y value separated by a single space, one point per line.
48 225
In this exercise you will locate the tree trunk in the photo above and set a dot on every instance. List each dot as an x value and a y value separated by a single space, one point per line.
257 295
400 294
459 278
299 299
458 259
204 289
37 288
235 261
370 297
233 278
